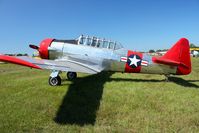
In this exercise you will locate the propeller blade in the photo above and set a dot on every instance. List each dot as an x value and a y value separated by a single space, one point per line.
34 46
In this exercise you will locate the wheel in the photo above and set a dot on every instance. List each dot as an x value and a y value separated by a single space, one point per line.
54 81
71 75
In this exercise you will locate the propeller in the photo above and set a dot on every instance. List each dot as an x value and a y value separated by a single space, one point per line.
43 48
34 46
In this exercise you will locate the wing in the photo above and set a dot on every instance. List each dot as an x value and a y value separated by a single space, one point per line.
60 65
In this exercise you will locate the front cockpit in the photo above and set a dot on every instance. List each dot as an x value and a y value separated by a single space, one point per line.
98 43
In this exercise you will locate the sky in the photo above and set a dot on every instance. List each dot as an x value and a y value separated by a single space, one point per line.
139 25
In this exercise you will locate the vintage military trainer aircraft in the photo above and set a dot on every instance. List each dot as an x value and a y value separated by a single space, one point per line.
93 55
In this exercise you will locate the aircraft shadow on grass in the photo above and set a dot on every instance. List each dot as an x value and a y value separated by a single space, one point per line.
176 80
82 100
182 82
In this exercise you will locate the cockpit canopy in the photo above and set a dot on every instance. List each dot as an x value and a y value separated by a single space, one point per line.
98 43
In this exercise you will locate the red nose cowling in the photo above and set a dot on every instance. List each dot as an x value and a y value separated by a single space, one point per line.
43 48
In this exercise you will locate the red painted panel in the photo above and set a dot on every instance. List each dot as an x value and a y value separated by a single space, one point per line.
43 48
11 59
133 64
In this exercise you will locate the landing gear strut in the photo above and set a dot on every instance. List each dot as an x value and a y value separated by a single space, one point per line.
167 78
71 75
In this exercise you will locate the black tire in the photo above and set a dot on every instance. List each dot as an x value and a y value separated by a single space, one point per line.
71 75
54 81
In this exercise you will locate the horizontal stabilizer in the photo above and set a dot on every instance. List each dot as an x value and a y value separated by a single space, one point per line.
168 62
178 55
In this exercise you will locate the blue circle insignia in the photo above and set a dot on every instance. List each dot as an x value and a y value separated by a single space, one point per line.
134 61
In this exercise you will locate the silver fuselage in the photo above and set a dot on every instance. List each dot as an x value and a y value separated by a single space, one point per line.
103 58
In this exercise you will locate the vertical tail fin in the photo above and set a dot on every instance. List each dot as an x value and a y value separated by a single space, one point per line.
180 52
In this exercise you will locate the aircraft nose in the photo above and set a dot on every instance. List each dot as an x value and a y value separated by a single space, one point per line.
43 48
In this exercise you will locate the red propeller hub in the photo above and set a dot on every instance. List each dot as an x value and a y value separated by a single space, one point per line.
43 48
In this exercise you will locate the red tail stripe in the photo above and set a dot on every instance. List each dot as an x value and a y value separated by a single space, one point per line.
128 69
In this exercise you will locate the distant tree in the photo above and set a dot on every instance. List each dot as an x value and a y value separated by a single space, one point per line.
159 50
151 51
165 49
19 54
192 45
25 54
10 54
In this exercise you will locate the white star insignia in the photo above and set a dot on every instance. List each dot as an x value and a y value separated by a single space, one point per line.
134 61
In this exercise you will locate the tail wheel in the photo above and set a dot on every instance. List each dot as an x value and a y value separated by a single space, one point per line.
54 81
71 75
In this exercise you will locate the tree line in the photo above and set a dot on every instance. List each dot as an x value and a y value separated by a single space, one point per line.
19 54
159 50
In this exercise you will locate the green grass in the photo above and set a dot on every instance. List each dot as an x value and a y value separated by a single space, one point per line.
107 102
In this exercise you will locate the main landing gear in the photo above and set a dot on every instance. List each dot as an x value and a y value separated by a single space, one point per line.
71 75
55 79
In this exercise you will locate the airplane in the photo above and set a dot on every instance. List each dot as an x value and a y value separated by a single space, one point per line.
93 55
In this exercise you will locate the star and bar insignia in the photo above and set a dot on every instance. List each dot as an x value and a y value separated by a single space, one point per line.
134 61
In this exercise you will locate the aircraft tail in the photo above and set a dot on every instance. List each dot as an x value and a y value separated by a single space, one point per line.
178 55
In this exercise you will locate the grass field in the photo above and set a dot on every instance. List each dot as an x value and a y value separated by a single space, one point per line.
98 103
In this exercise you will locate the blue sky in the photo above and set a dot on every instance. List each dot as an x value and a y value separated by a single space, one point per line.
138 24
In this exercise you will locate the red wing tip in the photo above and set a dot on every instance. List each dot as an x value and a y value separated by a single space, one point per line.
14 60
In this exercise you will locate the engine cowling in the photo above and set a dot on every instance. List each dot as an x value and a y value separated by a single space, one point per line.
50 48
43 48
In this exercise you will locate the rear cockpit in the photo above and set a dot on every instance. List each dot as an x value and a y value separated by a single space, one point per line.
98 43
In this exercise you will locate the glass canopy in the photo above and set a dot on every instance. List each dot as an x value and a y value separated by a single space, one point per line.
99 43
